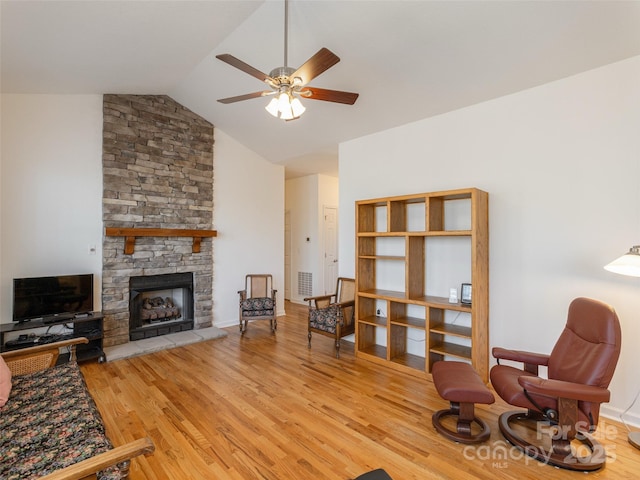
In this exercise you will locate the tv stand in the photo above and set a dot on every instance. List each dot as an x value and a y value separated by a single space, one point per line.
87 325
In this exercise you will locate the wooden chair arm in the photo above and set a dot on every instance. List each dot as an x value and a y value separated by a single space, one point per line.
90 466
39 357
349 303
320 301
319 297
341 305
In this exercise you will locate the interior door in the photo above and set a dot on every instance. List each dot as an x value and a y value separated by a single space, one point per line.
287 255
330 249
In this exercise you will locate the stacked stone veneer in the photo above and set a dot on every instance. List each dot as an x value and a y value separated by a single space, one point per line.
157 159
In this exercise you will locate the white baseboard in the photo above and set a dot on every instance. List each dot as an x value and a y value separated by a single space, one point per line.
297 301
631 419
234 322
225 323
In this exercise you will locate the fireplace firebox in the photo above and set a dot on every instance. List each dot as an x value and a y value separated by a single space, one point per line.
160 304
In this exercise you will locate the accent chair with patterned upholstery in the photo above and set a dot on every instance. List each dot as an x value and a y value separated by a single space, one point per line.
332 315
258 301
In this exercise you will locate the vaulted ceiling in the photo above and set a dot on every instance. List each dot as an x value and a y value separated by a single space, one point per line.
408 60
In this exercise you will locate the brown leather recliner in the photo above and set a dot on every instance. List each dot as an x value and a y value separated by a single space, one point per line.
565 405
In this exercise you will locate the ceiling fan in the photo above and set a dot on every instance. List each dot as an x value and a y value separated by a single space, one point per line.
287 84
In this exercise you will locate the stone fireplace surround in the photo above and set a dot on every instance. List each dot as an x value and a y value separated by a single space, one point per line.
157 173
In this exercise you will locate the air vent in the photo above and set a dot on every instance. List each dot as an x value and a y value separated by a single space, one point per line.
305 282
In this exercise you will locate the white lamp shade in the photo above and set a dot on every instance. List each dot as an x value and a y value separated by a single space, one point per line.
283 102
297 107
287 114
627 264
272 107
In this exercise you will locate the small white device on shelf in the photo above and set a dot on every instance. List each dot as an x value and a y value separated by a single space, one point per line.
453 295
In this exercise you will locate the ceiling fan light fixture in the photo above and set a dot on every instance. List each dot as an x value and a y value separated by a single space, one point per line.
272 107
285 106
288 84
284 102
297 107
287 115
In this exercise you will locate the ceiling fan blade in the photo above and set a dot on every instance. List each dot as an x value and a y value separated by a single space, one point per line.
246 68
320 62
329 95
247 96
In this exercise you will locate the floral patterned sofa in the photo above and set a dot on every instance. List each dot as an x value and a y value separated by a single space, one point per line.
50 426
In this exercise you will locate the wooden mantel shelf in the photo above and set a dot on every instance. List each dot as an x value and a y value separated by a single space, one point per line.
131 234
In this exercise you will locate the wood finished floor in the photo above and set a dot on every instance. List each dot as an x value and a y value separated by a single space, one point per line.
264 406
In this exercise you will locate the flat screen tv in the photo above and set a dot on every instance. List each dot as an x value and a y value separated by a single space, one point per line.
51 298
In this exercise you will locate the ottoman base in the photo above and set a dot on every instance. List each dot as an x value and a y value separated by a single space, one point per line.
459 383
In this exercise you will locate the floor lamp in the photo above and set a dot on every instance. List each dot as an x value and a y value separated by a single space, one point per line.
628 264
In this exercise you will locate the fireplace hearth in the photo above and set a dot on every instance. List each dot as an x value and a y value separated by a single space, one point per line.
160 304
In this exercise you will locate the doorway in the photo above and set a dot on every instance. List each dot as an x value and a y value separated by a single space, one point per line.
287 255
330 235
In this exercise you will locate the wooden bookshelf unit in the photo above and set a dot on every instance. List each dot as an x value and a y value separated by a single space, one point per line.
410 250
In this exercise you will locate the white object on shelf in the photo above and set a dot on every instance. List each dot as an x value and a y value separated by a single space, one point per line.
453 295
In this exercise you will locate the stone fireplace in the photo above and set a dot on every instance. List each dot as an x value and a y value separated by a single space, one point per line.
157 174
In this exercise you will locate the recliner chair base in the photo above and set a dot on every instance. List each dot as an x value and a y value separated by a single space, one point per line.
561 454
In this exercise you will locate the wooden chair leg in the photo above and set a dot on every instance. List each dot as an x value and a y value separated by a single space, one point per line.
309 335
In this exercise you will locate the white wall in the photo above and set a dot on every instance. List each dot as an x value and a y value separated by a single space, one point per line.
561 163
248 213
51 201
51 197
301 201
305 199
